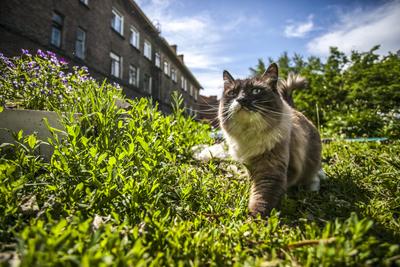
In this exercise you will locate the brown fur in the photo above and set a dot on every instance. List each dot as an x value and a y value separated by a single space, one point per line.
279 146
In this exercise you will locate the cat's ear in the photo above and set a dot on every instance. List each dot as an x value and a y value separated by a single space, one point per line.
227 77
271 73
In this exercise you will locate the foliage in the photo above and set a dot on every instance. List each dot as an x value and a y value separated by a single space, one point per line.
121 189
355 95
43 82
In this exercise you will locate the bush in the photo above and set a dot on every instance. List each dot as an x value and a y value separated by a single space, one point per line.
43 82
354 96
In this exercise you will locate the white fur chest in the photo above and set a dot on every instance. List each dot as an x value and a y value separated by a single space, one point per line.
251 136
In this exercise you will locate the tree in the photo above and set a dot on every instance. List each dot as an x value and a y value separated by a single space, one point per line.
355 95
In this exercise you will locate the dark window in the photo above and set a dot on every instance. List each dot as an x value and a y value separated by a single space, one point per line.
80 43
148 83
56 29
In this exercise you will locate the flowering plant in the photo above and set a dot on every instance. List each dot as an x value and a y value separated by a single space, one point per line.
42 81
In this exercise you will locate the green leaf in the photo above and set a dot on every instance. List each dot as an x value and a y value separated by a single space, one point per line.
101 158
31 141
142 143
112 161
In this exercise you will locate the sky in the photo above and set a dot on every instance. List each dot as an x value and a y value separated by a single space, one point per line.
215 35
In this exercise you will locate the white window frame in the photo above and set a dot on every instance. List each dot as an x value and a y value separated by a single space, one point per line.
80 43
173 74
117 14
136 70
191 90
116 59
182 82
166 68
148 83
134 41
157 60
147 49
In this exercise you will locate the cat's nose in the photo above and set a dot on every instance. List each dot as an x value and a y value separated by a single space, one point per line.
242 101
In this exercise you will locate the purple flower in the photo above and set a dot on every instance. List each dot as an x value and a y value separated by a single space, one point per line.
63 61
7 61
42 92
41 54
26 52
31 64
51 54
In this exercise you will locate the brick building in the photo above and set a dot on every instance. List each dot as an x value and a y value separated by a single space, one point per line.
208 109
113 38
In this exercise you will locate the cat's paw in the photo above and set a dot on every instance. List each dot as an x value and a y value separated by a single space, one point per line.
322 175
315 184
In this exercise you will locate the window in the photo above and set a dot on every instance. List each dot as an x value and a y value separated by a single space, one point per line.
56 29
158 59
86 2
117 22
196 94
186 85
134 37
182 82
147 83
134 76
116 65
80 43
147 49
191 90
173 74
166 68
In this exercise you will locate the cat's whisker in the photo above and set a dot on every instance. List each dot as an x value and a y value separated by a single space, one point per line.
266 110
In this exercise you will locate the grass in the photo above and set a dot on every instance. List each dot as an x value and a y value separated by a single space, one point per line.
122 189
136 197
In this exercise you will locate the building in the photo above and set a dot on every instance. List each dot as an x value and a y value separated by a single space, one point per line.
113 38
208 109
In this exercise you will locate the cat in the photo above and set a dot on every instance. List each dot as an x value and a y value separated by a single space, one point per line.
277 144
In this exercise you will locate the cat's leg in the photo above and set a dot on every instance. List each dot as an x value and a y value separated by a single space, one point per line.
265 194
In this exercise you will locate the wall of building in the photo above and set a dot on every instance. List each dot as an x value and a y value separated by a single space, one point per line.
27 24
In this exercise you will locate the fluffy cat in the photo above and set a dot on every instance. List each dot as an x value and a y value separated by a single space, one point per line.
278 145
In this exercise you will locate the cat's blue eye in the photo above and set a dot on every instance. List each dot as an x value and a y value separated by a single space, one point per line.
256 91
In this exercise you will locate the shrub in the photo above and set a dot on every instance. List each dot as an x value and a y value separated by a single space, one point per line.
44 82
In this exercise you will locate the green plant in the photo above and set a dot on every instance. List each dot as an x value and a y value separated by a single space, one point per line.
121 189
357 94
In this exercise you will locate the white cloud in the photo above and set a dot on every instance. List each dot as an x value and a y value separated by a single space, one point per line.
361 30
212 82
299 29
201 38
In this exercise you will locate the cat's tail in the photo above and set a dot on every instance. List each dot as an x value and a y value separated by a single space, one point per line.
292 82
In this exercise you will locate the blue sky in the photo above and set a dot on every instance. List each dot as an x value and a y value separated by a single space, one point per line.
226 34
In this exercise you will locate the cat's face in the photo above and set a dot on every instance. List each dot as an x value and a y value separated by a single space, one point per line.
251 101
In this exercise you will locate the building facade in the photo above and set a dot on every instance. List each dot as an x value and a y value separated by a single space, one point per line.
208 109
113 38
